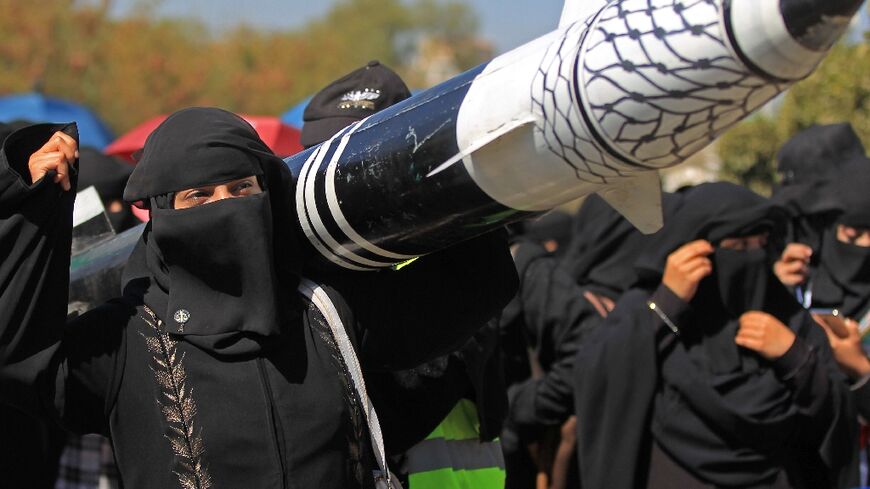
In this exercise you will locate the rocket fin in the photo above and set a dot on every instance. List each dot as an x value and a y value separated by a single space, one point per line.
639 199
480 143
575 10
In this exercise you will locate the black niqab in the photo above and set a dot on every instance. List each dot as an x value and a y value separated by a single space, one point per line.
710 211
220 274
809 167
842 279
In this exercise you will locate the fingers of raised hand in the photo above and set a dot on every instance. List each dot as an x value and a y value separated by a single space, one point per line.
797 252
692 249
57 154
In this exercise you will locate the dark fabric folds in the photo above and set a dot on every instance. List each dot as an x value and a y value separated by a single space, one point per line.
604 246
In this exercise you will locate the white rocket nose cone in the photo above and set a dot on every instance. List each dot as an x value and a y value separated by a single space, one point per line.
817 24
786 39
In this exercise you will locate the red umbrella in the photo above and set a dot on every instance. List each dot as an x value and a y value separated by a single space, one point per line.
281 138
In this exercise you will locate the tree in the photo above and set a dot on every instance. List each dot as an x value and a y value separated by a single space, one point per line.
131 69
838 91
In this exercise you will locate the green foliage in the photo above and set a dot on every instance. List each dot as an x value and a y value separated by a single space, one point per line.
838 91
131 69
748 153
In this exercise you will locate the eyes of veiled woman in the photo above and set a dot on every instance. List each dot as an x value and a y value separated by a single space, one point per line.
854 235
206 194
745 243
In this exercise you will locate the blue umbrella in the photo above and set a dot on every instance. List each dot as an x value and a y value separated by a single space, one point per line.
37 107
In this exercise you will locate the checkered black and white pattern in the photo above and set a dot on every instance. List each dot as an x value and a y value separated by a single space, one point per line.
87 462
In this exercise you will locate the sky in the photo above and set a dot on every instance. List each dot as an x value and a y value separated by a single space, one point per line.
507 23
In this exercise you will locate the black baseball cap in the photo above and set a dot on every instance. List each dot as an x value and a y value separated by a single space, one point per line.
351 98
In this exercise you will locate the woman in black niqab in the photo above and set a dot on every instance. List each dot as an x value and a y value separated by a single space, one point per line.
842 279
809 165
694 409
239 253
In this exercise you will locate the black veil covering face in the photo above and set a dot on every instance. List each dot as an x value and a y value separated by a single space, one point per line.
222 274
809 167
842 279
715 211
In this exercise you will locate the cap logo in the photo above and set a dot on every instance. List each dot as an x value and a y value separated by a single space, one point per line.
359 99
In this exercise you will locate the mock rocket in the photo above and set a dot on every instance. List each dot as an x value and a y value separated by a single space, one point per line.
619 90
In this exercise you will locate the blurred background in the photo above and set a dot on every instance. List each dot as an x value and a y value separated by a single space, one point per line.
131 60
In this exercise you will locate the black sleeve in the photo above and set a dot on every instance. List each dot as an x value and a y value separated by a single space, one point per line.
430 307
35 234
821 394
48 368
615 379
90 367
861 393
670 314
555 308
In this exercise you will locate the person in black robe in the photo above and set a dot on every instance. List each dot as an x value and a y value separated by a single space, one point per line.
211 370
38 443
842 278
709 374
841 281
809 168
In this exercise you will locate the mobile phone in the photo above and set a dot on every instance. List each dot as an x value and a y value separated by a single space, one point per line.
864 325
833 320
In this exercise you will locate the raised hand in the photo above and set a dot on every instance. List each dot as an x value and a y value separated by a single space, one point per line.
792 267
686 267
58 155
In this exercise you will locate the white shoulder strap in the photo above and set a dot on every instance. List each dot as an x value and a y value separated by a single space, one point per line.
321 300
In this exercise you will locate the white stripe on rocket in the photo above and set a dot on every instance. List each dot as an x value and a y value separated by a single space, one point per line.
314 213
338 215
302 212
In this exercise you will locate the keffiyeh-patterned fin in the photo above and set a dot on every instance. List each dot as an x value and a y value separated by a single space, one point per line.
178 406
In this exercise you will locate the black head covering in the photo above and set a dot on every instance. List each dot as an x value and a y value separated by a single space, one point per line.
7 128
108 174
220 274
711 211
604 246
842 278
809 167
722 412
351 98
